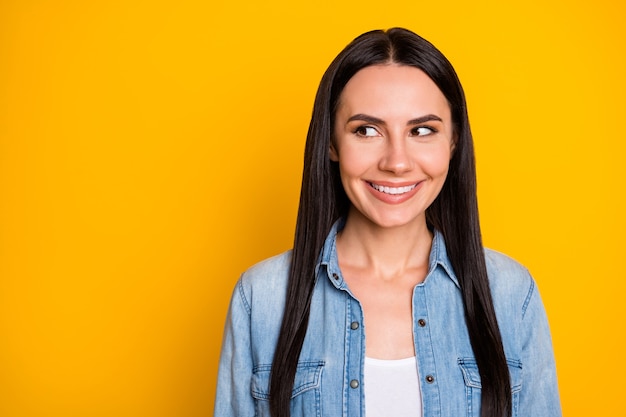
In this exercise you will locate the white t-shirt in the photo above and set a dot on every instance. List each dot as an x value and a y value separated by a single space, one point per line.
392 388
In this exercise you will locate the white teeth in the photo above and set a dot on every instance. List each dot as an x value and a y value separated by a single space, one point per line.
393 190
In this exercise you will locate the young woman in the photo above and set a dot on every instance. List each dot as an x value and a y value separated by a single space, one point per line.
388 305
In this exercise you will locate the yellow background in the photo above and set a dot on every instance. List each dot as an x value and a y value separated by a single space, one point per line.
150 151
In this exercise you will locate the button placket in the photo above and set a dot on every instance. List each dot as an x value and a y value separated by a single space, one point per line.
424 347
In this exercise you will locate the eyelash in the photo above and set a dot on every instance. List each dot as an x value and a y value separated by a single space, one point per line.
361 131
416 129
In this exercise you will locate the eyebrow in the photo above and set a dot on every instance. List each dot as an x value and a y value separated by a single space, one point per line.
375 120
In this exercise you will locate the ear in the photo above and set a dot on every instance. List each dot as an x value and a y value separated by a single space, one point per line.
455 138
334 155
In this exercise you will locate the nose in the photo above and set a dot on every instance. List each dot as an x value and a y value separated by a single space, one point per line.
396 157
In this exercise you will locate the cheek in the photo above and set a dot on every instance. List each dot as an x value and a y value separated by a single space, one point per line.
355 162
435 163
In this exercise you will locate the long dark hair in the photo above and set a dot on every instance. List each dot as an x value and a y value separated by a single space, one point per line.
454 213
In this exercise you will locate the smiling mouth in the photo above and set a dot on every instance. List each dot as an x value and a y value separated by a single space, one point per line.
392 190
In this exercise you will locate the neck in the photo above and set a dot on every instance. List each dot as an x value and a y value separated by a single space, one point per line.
387 252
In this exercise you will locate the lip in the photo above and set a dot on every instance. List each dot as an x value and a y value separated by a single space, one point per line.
393 198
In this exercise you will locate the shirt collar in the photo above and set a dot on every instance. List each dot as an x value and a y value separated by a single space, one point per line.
439 256
328 257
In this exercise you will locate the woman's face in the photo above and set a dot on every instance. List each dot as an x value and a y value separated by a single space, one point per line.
393 139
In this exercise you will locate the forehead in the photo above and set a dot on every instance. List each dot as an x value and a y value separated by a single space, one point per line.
391 89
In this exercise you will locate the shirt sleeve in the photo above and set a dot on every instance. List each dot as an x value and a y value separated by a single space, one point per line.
233 396
539 396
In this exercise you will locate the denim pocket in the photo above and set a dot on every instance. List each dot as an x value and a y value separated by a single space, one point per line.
471 377
305 395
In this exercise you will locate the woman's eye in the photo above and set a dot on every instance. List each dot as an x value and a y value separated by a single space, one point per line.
366 131
422 131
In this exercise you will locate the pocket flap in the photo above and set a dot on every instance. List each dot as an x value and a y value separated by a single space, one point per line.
307 377
471 376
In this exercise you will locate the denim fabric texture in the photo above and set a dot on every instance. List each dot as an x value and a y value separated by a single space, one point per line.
329 379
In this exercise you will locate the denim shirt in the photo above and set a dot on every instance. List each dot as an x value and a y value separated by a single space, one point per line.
329 376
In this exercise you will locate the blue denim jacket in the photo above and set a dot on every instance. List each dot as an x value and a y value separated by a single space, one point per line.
329 377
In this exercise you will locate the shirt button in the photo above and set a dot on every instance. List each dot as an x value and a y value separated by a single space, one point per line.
335 276
421 322
354 383
354 325
430 379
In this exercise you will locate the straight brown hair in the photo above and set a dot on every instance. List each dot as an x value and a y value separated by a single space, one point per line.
454 213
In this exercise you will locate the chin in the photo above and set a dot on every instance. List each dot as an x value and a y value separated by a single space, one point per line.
393 222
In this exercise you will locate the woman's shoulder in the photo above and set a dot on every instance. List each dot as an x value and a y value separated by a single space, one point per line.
261 288
499 261
267 274
506 275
